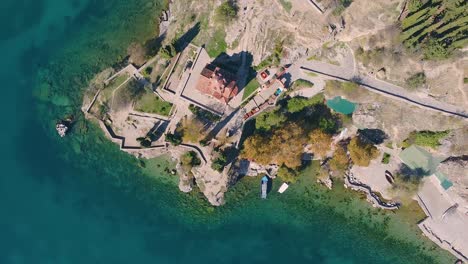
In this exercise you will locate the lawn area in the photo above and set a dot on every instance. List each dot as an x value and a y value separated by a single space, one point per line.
301 83
425 138
250 88
106 93
216 45
151 103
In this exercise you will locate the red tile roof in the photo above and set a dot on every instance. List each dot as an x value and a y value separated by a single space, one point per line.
218 83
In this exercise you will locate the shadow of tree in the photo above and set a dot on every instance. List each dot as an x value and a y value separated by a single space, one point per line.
372 136
411 175
182 42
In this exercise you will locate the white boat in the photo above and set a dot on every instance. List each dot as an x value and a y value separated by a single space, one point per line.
283 187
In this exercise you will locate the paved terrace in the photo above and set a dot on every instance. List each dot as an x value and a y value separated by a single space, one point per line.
446 225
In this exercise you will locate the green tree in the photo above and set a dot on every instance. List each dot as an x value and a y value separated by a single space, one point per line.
219 163
168 51
267 120
190 158
174 139
296 104
328 125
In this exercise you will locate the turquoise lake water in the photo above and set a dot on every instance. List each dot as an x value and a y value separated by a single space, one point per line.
80 200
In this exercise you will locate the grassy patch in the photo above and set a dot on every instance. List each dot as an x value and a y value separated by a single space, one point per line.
372 56
272 60
416 80
113 84
250 88
386 158
301 83
286 5
151 103
217 43
425 138
312 74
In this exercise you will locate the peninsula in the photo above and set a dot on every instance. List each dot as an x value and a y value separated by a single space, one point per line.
375 92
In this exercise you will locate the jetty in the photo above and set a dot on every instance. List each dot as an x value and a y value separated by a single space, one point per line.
264 187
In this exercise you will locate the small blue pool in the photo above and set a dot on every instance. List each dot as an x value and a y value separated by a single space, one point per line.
341 105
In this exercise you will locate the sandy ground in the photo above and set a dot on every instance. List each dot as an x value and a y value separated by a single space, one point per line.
374 174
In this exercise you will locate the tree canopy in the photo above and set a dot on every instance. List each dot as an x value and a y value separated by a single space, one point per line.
320 142
267 120
226 11
339 162
284 146
362 153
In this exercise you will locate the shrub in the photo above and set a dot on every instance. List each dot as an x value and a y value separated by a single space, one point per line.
148 70
168 51
144 141
435 50
386 158
219 163
416 80
190 158
274 59
174 139
301 83
226 11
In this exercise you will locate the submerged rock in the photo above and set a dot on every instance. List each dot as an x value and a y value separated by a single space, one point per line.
61 129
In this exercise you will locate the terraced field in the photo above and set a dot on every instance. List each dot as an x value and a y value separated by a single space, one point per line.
437 27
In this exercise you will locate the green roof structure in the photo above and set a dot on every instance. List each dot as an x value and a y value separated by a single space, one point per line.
418 158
